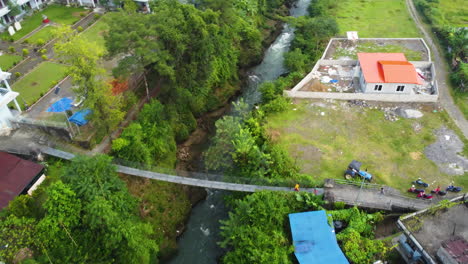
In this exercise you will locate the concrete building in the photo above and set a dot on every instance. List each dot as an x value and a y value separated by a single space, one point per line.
25 5
6 97
436 235
386 73
344 72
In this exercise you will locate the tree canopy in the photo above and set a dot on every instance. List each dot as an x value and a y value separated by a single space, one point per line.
89 217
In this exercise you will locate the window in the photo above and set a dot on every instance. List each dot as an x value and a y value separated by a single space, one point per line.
400 88
378 87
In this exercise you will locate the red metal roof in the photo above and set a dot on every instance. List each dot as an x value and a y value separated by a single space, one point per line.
15 175
387 68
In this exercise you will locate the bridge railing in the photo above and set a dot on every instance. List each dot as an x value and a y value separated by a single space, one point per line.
359 183
220 177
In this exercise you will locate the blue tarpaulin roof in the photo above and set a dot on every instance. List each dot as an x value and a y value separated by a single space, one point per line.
61 105
314 239
79 117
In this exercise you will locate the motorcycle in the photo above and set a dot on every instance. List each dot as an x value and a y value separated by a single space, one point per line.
438 191
421 183
413 190
424 196
452 188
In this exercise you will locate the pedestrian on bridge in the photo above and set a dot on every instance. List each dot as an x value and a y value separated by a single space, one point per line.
296 187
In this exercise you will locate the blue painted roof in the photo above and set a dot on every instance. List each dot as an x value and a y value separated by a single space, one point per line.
314 239
79 117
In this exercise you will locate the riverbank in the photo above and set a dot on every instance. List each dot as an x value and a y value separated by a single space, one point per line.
189 155
200 243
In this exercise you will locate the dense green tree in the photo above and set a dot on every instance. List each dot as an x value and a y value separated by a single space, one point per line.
56 229
296 61
196 52
257 230
256 227
18 233
149 140
91 217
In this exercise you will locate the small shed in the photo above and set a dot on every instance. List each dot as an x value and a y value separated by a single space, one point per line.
314 239
17 176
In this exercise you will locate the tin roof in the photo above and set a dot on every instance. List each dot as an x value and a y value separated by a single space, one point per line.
15 175
457 247
387 68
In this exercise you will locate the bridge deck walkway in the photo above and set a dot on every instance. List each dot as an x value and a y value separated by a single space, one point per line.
185 180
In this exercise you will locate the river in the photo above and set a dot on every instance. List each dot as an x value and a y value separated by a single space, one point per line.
198 244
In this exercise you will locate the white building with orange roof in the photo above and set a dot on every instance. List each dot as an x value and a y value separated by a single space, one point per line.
387 73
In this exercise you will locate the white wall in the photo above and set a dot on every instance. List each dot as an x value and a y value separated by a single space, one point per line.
33 3
5 116
389 88
364 96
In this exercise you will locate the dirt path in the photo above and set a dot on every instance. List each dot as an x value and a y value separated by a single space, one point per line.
442 73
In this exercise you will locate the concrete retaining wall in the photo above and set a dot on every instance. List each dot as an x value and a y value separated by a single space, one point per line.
56 130
361 96
337 62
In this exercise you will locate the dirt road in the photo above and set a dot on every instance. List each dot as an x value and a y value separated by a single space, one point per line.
441 73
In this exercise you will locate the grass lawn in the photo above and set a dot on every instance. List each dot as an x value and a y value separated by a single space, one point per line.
453 12
461 100
39 81
393 152
56 13
7 61
410 54
44 35
96 32
375 18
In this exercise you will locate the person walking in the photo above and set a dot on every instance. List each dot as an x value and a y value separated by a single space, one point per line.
296 187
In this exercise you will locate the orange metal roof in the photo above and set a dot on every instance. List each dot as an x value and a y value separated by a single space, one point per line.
387 68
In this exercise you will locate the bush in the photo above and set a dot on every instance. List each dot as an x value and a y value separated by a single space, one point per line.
11 49
79 28
97 16
277 105
17 74
53 83
25 52
41 94
40 42
82 14
26 41
42 51
339 205
44 57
